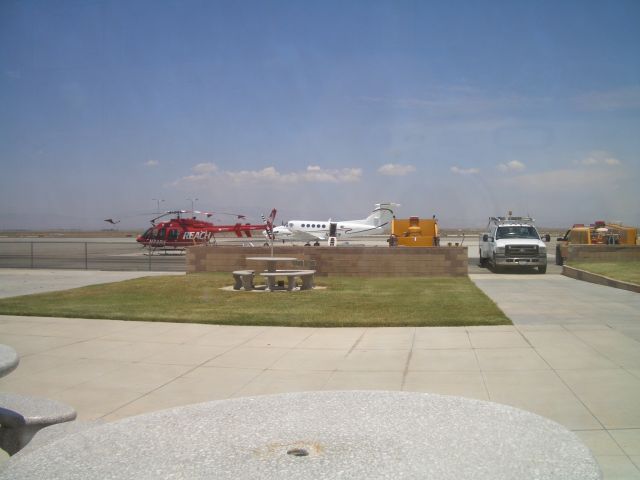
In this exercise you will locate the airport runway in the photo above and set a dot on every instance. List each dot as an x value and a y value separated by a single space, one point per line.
86 254
127 255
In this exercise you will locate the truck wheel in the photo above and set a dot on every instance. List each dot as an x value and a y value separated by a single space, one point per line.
558 256
483 261
494 265
542 269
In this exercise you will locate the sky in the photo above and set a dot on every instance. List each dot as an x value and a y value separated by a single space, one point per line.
459 109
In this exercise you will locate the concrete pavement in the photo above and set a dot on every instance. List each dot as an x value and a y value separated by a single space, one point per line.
23 281
572 355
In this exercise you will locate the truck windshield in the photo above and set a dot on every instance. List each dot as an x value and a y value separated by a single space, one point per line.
516 232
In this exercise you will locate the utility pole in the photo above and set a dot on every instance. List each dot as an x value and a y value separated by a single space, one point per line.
193 200
158 200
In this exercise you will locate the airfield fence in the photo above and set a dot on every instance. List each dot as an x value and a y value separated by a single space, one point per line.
82 255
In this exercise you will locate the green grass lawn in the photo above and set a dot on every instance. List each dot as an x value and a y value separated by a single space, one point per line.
628 271
346 302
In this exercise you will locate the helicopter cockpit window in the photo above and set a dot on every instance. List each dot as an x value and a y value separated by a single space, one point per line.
147 234
173 234
161 233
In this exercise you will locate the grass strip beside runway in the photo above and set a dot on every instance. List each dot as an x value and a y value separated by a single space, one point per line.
345 302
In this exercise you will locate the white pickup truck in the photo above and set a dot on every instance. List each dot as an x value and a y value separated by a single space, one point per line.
513 242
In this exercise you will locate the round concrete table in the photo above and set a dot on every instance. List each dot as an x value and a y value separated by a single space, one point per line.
311 435
8 360
271 262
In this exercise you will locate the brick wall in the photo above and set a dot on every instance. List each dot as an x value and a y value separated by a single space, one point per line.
348 261
603 253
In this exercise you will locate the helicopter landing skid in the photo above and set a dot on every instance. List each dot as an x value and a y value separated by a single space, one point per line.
164 251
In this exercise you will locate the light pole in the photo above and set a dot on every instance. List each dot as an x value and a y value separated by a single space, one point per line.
193 200
158 200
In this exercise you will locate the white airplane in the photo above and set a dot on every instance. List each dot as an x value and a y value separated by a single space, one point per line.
378 223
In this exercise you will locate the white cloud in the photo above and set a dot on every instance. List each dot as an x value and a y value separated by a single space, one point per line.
395 169
599 158
206 172
203 168
464 171
203 172
512 166
313 174
151 163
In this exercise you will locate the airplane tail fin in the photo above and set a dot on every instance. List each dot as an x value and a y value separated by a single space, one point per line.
381 215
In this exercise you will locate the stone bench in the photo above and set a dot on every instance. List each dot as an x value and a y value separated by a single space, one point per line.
8 360
243 279
21 416
307 277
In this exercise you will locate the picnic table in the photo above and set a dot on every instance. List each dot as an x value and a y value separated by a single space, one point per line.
272 262
309 435
241 277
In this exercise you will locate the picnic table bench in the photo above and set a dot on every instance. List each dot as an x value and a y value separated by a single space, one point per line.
243 279
307 277
53 433
8 360
21 416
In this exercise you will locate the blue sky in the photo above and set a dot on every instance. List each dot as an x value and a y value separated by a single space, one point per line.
320 109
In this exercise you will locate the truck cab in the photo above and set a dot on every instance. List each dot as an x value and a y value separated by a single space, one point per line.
513 242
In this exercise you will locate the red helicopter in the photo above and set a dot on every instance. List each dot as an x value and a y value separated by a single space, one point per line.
179 232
